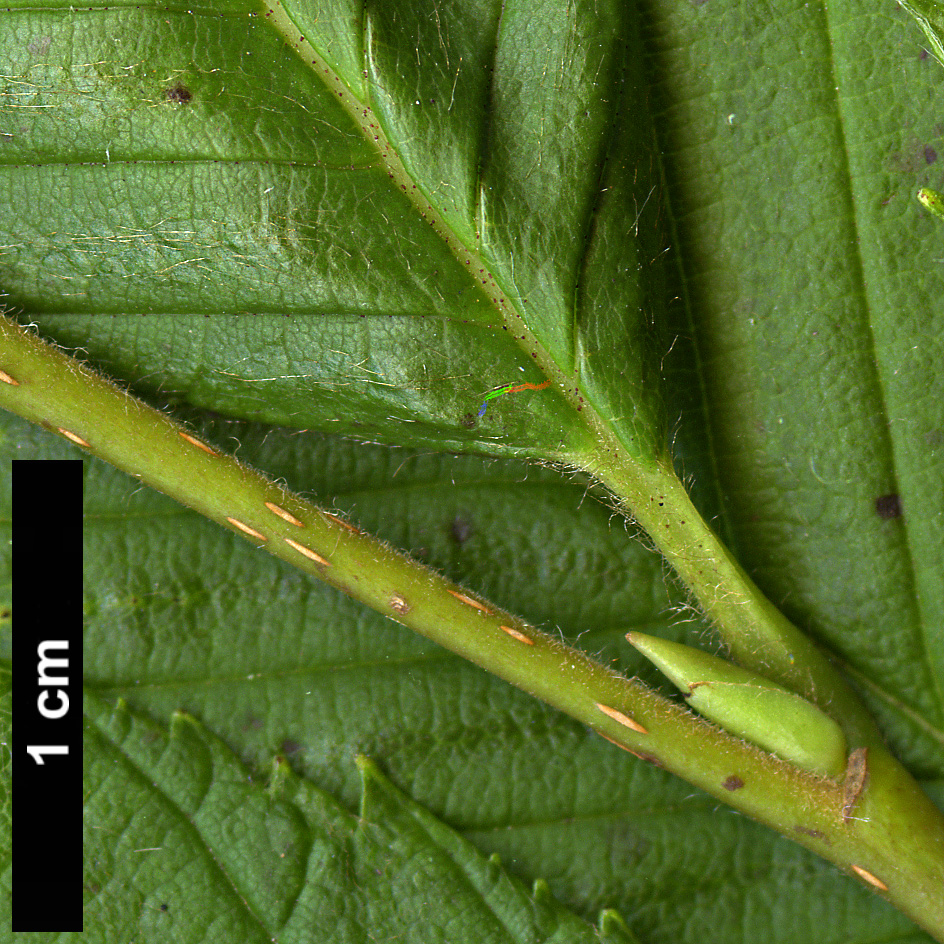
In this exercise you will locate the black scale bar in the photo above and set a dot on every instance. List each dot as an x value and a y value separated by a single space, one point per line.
47 696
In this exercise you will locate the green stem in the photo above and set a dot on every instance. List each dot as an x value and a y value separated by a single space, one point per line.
757 634
888 834
902 828
66 397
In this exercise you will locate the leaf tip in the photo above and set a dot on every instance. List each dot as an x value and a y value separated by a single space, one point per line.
614 929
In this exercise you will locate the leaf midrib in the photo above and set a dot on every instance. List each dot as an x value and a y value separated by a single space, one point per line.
501 297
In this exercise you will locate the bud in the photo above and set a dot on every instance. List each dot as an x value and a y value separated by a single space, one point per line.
931 200
750 706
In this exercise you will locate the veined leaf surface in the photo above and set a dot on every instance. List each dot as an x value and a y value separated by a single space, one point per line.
187 172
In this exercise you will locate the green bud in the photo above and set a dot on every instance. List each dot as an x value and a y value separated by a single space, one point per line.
931 200
750 706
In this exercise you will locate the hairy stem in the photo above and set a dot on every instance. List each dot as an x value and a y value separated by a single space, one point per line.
899 851
757 634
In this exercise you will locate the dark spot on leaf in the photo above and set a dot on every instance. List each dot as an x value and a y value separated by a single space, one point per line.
179 94
930 155
289 746
467 421
733 783
164 906
5 614
888 506
460 530
923 55
912 158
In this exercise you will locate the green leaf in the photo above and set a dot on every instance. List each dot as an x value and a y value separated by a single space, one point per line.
803 386
530 188
206 850
182 615
930 17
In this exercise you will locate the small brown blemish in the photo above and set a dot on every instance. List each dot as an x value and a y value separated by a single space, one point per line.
73 437
733 783
515 634
813 833
252 532
622 719
340 521
399 605
179 94
888 506
870 878
648 758
857 770
468 601
307 552
196 442
7 379
617 743
283 514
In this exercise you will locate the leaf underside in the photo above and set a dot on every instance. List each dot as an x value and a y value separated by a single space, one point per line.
204 847
256 261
